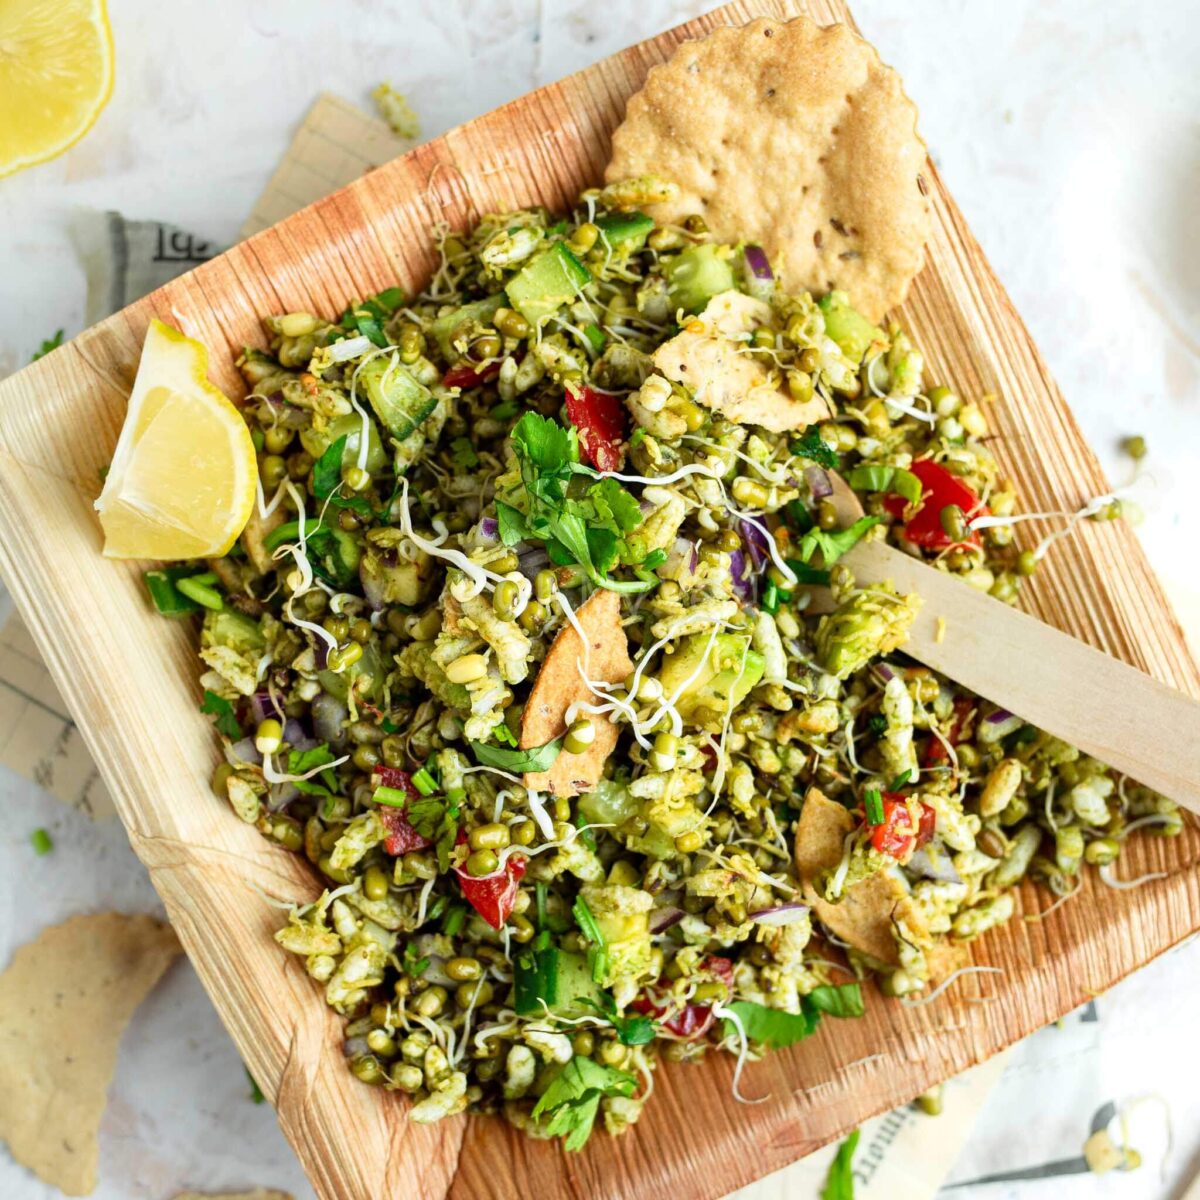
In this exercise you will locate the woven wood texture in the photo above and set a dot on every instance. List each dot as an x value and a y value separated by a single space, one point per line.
130 679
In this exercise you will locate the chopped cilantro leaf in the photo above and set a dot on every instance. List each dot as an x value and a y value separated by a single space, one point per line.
636 1030
572 1099
808 575
327 470
614 505
227 722
833 544
772 1026
812 446
588 530
840 1000
776 1028
300 762
512 524
550 449
877 724
537 758
463 455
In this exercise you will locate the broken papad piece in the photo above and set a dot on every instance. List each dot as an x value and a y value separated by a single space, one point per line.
559 684
64 1003
710 358
795 137
865 916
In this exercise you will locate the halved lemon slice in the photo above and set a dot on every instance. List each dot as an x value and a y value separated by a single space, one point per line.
182 479
56 74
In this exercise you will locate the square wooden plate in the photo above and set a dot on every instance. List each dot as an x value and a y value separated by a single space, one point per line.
130 679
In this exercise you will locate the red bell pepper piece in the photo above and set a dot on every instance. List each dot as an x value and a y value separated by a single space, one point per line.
600 419
928 825
692 1020
938 489
393 777
402 836
896 835
466 376
493 896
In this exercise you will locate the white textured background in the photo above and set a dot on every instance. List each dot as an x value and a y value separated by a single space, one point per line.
1070 134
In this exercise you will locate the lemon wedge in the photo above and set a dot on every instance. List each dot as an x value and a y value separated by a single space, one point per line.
183 476
56 74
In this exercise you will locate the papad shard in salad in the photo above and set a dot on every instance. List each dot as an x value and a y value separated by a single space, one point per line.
587 654
545 661
861 911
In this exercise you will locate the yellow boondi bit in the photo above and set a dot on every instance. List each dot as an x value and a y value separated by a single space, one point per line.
939 635
182 479
56 74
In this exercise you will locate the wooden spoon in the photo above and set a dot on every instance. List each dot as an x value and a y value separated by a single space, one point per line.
1107 708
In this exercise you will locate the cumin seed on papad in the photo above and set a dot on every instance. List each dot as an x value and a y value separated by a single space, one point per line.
793 136
559 685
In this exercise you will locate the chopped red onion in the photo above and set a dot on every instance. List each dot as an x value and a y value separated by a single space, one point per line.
531 559
932 862
755 541
757 262
682 552
372 586
664 917
280 795
262 708
780 914
818 482
999 716
760 279
742 577
296 735
884 672
245 751
489 529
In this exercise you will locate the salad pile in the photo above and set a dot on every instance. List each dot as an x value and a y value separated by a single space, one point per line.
538 647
